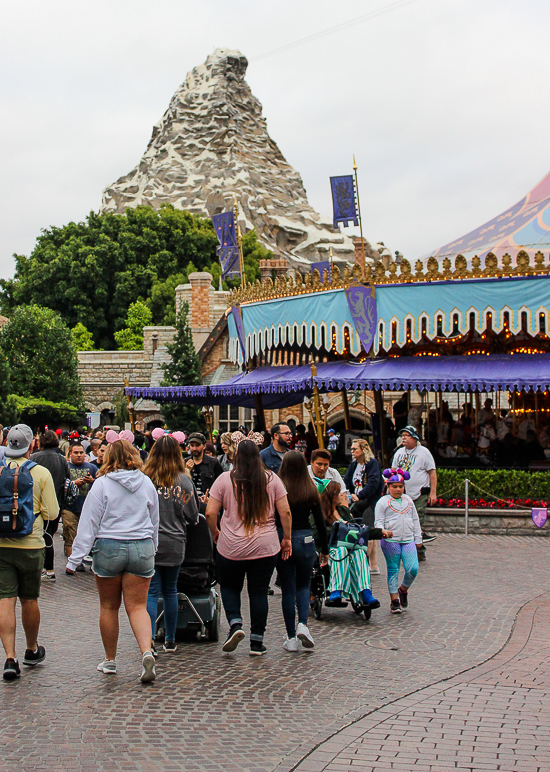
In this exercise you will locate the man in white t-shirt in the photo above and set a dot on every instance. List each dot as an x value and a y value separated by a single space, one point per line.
414 458
321 469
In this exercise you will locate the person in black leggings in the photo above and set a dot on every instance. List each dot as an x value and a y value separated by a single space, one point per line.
295 573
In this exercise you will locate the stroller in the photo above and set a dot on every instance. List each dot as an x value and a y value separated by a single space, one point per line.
320 580
199 604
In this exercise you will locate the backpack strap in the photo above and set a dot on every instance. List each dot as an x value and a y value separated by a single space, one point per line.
15 498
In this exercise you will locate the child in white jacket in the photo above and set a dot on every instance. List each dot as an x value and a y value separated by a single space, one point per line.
396 512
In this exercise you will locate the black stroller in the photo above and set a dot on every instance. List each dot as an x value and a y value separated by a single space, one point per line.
199 604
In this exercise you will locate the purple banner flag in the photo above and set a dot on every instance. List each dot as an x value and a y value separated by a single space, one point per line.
362 306
236 311
228 251
323 265
343 200
539 515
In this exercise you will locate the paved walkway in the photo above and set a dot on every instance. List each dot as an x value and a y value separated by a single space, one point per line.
210 711
495 716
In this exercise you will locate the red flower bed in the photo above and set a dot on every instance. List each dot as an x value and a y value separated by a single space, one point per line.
492 504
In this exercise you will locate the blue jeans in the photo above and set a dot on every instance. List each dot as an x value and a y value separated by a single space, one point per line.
164 582
258 572
295 577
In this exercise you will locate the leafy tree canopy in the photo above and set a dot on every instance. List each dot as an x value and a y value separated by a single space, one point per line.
83 340
183 369
39 412
92 271
131 337
38 345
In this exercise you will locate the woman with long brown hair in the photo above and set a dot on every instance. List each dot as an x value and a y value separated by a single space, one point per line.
178 505
248 542
119 523
228 447
295 573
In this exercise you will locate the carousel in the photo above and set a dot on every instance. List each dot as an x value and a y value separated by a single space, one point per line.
460 340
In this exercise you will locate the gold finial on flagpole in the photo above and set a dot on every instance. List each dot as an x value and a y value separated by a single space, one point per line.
363 260
239 241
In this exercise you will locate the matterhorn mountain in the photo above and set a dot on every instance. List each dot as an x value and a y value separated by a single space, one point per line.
213 143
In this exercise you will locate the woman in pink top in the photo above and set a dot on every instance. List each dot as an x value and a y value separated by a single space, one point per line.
248 543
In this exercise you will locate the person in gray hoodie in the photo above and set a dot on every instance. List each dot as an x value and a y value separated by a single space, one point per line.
178 505
119 523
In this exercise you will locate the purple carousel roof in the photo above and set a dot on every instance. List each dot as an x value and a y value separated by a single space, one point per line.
283 386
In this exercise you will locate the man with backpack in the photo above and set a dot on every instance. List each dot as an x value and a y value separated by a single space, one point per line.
27 499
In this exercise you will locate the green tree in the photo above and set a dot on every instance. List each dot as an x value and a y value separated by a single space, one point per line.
183 369
38 345
122 415
131 337
93 270
82 339
7 407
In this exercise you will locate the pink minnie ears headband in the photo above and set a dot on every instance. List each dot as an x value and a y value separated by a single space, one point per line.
396 475
125 434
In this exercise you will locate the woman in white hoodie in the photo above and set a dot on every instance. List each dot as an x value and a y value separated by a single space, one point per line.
119 523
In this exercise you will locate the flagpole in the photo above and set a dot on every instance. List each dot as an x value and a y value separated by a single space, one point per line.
363 266
239 241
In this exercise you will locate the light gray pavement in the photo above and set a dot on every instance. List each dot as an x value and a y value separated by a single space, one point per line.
211 711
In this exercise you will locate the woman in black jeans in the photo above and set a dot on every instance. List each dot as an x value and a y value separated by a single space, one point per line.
247 540
295 573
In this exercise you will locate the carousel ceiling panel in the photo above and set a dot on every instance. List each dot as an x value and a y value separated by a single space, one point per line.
304 320
398 304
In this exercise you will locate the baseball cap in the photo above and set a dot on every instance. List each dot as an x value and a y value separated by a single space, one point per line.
20 437
331 431
410 430
197 437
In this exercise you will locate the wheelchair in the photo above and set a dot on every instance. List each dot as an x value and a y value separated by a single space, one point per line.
320 580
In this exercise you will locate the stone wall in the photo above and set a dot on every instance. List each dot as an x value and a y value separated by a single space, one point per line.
102 373
497 522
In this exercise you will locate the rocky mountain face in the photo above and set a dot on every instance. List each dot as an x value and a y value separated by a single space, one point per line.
213 143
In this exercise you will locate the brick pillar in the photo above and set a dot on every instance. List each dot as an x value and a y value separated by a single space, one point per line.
200 299
359 250
200 307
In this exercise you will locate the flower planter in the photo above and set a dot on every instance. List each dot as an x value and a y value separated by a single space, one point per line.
494 522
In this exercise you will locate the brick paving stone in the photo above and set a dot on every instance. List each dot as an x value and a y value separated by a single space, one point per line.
503 705
210 711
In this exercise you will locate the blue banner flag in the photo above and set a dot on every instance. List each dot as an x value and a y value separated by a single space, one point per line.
343 200
228 251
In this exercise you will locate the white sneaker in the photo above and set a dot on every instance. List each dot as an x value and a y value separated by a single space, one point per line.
148 672
108 666
48 576
290 644
305 636
374 571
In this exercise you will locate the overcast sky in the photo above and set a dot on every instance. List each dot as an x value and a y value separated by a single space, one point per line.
444 103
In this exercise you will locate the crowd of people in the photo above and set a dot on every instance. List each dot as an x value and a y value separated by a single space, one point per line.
125 503
501 438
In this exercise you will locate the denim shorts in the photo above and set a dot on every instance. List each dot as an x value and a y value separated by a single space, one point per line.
113 557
